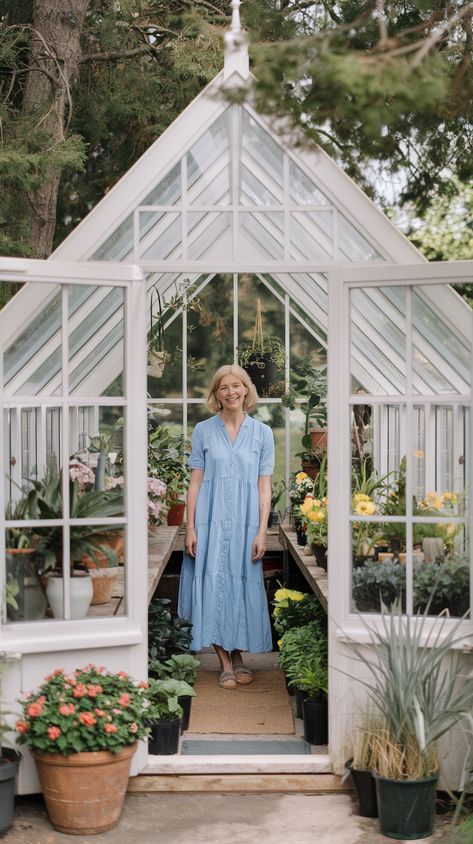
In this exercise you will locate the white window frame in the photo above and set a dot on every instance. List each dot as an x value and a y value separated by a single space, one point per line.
346 623
37 637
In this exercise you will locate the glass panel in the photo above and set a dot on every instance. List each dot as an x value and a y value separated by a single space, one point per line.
378 469
159 235
168 190
441 353
101 550
263 232
33 459
209 235
210 334
254 191
297 430
168 415
264 159
196 413
419 452
96 347
379 571
302 190
208 165
25 596
32 362
352 244
378 341
96 469
311 235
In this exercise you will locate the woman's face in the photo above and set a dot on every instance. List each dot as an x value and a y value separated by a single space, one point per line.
231 392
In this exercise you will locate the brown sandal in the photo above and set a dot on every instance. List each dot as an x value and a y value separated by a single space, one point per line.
243 675
227 680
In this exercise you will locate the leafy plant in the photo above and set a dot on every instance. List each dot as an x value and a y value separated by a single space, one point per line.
300 644
294 609
167 458
259 348
167 635
5 661
418 687
277 489
162 699
177 667
311 676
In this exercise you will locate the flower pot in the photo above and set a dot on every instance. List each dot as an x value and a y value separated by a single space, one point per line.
84 792
9 763
301 537
115 543
318 439
406 807
273 519
103 584
156 363
186 702
164 738
176 513
81 591
311 469
365 790
31 599
263 374
320 554
315 715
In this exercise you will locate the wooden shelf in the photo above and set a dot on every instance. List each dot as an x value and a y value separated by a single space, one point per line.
315 575
160 547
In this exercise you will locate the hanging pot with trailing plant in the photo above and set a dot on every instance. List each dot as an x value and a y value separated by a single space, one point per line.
262 357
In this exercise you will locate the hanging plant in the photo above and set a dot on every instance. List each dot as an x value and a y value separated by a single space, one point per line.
262 356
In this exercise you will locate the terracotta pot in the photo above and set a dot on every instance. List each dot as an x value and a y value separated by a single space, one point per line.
115 542
176 513
311 469
84 792
103 584
318 439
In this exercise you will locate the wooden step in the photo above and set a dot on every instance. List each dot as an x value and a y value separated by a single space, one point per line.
239 783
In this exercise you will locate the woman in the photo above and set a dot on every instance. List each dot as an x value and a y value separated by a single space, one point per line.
221 588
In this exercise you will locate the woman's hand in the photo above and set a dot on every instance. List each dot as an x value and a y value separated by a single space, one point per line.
191 541
259 546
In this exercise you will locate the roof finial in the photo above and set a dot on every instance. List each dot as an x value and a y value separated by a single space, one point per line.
236 46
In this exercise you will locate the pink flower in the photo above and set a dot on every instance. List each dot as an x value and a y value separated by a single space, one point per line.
110 728
134 728
99 712
111 483
124 700
143 684
87 718
67 709
117 711
22 727
80 690
93 691
54 733
122 674
81 473
34 709
156 487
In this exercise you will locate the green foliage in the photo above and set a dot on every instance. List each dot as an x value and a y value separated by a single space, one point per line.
87 710
167 635
5 661
167 458
304 658
250 351
289 612
178 667
162 699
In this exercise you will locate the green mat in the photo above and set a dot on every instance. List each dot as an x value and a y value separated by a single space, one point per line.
254 747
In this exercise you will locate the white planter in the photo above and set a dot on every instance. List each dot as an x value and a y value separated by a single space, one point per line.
81 590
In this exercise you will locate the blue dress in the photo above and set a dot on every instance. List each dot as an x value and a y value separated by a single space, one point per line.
222 590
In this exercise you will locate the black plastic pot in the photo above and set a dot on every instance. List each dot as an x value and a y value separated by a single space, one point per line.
406 807
301 536
263 374
289 689
315 715
299 697
365 790
186 702
9 763
164 738
320 554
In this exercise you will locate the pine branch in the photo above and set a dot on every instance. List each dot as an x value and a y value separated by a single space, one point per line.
118 54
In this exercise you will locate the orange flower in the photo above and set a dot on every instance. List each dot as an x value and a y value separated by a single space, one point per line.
80 690
93 691
34 709
67 709
122 674
110 728
54 733
99 712
22 727
124 700
87 718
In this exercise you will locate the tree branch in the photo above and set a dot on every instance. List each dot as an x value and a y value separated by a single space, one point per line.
118 54
432 40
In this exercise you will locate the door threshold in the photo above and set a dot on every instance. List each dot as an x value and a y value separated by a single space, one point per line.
239 764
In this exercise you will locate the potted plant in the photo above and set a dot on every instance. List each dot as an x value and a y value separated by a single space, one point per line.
311 677
44 502
277 489
300 486
179 667
164 714
26 598
167 634
167 461
157 354
82 729
359 766
417 686
295 644
9 762
262 356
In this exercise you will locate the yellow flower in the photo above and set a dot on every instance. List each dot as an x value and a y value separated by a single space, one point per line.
306 505
301 476
360 496
316 516
365 508
450 497
418 453
280 594
294 595
276 612
433 501
279 643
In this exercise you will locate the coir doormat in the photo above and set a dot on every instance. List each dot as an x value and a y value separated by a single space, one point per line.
264 707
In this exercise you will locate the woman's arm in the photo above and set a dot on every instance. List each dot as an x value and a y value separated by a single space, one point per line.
264 501
192 493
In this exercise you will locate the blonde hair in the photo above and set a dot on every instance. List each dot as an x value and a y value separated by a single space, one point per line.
251 397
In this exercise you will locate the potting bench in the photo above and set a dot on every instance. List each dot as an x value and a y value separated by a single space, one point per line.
315 576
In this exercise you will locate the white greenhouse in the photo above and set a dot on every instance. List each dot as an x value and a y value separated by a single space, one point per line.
228 209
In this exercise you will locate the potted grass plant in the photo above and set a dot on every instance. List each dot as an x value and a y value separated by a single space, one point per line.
419 690
359 766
